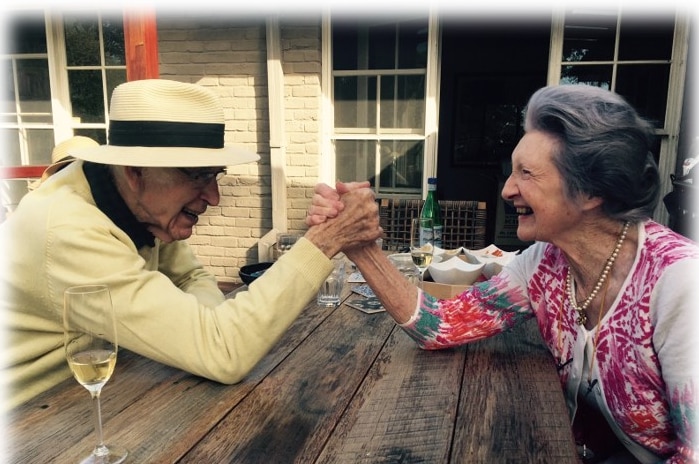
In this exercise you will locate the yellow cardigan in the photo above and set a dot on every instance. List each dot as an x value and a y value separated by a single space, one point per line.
168 306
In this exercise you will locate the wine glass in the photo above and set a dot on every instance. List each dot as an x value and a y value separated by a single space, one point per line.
421 244
89 336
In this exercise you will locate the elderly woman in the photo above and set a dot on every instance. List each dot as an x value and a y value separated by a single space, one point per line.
613 292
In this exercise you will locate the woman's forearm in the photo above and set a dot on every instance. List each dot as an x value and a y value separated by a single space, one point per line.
397 295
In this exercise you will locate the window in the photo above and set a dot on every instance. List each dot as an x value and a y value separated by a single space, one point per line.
626 52
58 71
379 88
85 53
27 122
95 64
640 56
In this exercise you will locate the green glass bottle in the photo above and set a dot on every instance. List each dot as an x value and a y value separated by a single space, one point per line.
430 210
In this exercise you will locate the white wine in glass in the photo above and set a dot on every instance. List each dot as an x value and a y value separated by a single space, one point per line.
421 246
90 340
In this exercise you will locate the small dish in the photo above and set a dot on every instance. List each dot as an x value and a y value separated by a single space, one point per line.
455 271
249 273
492 251
494 259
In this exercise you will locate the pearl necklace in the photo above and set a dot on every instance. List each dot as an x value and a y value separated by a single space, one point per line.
582 317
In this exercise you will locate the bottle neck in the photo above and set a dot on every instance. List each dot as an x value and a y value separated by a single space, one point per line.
431 185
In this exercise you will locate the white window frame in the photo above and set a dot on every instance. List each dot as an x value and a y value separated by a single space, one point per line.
669 133
428 136
22 126
63 123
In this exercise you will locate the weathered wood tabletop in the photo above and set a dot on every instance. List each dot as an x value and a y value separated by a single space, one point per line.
341 386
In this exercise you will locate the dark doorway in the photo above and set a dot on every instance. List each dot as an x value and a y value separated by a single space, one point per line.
490 67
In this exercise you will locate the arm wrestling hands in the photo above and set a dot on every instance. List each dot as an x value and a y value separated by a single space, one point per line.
329 205
326 201
358 224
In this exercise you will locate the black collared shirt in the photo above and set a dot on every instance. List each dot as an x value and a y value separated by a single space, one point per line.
109 201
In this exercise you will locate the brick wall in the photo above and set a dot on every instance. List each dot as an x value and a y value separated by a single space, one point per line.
229 56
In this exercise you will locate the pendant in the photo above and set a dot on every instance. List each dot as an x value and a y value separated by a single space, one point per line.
582 318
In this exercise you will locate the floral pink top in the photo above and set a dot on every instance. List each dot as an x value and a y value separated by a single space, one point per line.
645 357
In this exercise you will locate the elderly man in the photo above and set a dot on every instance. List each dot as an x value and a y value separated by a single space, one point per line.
119 215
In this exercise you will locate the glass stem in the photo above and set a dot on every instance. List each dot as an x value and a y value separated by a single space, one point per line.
100 449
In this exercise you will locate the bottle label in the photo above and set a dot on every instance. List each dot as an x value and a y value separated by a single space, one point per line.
426 235
437 236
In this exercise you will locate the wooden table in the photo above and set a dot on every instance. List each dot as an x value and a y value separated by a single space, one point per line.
340 387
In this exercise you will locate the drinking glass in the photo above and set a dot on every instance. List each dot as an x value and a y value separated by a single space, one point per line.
330 292
284 243
421 246
404 263
89 336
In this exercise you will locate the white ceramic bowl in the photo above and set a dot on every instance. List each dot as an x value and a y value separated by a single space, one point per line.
493 258
449 253
454 271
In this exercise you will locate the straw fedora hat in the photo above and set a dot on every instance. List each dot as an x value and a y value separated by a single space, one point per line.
163 123
60 156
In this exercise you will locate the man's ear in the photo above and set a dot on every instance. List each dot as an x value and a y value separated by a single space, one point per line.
134 178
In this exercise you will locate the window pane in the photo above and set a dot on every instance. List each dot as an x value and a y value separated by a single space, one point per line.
382 46
86 96
345 44
26 33
645 87
355 160
355 102
412 44
8 92
98 135
379 43
401 166
40 143
403 104
113 31
400 44
82 40
600 76
645 37
114 78
11 152
589 35
34 90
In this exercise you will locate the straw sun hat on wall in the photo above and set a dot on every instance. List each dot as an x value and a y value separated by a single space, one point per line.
60 157
163 123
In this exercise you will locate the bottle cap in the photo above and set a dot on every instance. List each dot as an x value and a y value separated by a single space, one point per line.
431 180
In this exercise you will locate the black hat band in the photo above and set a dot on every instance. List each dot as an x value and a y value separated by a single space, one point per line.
165 134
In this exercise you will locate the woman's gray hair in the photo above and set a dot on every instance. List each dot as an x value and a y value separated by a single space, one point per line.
605 147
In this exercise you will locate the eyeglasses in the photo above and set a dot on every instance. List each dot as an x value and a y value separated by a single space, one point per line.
202 177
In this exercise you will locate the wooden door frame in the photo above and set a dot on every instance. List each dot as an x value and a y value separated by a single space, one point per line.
141 45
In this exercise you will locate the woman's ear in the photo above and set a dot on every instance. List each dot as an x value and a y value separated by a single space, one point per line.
591 202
